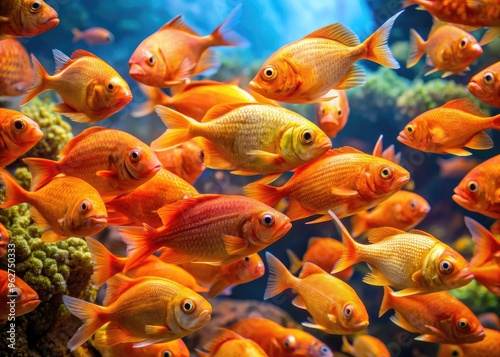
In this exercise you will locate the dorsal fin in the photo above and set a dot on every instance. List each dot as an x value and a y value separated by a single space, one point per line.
82 53
223 336
344 150
336 32
221 109
379 234
422 233
203 83
178 24
378 148
82 136
167 211
310 269
117 285
62 61
465 105
436 23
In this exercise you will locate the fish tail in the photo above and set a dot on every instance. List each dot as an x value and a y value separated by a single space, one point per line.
14 193
139 244
359 223
349 256
77 34
105 263
496 122
42 171
179 130
266 194
93 317
295 262
154 96
40 82
377 48
279 278
224 34
417 49
386 301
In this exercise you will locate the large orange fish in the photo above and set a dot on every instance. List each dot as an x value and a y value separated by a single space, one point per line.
140 205
438 317
279 341
416 262
26 18
249 138
478 190
225 277
176 52
455 167
16 75
65 207
214 229
176 348
485 85
344 180
486 348
334 306
437 131
16 297
229 344
365 346
93 36
18 134
144 310
332 115
306 70
112 161
403 210
186 161
90 89
4 240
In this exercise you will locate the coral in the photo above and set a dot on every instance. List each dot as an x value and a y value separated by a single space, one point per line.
477 298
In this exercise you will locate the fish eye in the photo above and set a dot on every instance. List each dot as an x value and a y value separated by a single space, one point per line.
323 111
324 351
14 293
111 86
35 6
267 220
348 311
151 60
413 205
269 73
472 186
247 258
455 353
462 323
202 156
410 129
463 42
289 342
167 353
19 125
187 306
307 137
445 267
339 112
135 155
489 78
385 173
85 206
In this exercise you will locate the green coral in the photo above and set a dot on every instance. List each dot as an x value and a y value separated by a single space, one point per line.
477 297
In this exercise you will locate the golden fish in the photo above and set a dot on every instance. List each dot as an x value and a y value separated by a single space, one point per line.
332 115
486 85
229 344
16 294
186 161
26 18
16 75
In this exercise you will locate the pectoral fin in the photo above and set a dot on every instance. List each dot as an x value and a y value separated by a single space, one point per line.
106 173
399 320
311 325
155 330
458 152
299 302
234 245
376 278
267 157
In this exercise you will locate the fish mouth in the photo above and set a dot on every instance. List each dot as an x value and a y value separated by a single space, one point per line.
403 180
284 229
361 325
477 337
136 70
460 200
425 209
477 49
253 85
205 316
403 138
260 269
98 221
476 90
51 23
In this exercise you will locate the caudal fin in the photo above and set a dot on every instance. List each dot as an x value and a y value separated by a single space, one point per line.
42 171
386 301
349 256
224 34
105 263
417 49
377 48
179 129
279 278
269 195
77 34
295 262
154 96
93 317
359 223
139 244
14 193
39 83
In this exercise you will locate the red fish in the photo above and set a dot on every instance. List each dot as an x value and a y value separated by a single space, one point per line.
16 296
26 18
186 161
332 115
486 85
488 347
4 240
93 36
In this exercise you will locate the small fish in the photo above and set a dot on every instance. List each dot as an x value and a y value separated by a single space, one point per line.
486 348
18 134
437 131
214 229
107 265
140 205
332 115
91 89
344 180
323 252
144 310
186 161
479 189
26 18
176 52
24 297
229 344
16 74
65 207
176 348
4 240
306 70
416 262
112 161
365 346
449 49
455 167
279 341
403 210
486 85
225 277
249 138
334 306
93 36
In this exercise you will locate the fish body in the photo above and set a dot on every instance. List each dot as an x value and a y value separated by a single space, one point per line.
93 36
365 346
485 85
485 348
229 344
16 74
4 240
457 166
176 348
26 18
90 89
437 131
332 115
186 161
250 138
18 134
14 289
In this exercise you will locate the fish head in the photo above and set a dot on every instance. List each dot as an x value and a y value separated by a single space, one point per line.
109 92
415 134
445 269
471 193
265 225
332 115
317 349
415 208
304 143
446 350
466 328
466 48
249 268
136 163
380 177
190 311
86 216
193 159
26 298
22 131
297 343
176 348
351 315
37 17
485 85
277 79
147 65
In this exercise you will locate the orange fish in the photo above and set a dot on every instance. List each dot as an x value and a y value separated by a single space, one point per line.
176 348
486 85
91 89
16 75
323 252
416 262
456 166
16 297
193 99
334 306
65 207
18 134
365 346
486 348
112 161
225 277
186 161
306 70
403 210
478 190
140 205
332 115
279 341
438 317
229 344
107 265
176 52
144 310
437 131
93 36
344 180
214 229
26 18
489 276
4 240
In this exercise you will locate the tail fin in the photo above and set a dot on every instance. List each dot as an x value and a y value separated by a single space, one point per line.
179 129
40 83
279 278
14 193
77 34
349 256
224 35
93 317
42 171
346 347
377 49
496 122
154 96
417 49
269 195
359 223
105 263
295 262
386 301
139 244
